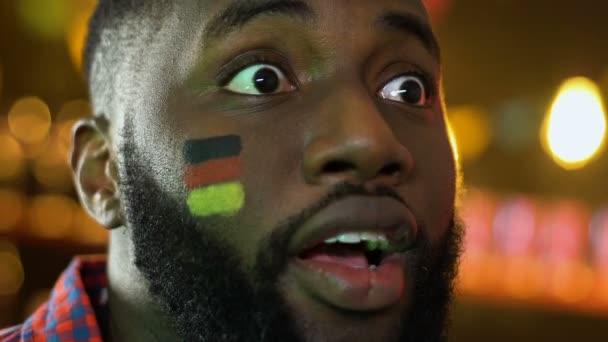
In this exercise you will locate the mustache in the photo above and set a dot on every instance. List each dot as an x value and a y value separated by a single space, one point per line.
337 193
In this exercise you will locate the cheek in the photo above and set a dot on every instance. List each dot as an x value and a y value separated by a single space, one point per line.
273 171
213 175
435 184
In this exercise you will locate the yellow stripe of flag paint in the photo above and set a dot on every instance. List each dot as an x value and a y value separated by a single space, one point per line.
220 199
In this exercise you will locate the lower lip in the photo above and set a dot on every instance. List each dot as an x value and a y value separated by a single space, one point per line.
354 289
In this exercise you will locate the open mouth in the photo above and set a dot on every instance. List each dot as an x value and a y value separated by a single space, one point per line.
364 250
353 255
363 271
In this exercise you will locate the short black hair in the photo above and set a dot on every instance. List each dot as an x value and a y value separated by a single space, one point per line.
107 17
118 30
105 9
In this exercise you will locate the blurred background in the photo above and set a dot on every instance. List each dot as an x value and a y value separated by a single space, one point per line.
525 83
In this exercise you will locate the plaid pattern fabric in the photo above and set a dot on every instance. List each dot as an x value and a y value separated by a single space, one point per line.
75 311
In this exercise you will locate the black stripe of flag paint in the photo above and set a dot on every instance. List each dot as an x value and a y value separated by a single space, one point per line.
200 151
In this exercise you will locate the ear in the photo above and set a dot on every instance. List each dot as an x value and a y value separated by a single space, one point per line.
95 172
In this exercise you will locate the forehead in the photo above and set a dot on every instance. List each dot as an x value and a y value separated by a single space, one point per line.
335 11
221 21
417 6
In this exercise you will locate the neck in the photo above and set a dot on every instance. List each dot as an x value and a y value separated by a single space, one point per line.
134 316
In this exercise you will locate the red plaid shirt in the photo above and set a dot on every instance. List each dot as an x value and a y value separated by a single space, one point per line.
75 311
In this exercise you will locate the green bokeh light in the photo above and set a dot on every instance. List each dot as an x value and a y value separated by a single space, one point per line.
46 18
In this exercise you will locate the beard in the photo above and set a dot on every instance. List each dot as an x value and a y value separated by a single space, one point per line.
206 292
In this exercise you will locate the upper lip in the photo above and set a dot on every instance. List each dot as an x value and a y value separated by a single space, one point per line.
357 214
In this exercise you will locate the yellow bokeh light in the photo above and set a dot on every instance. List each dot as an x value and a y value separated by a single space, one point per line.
11 157
68 115
12 207
74 110
574 130
76 36
29 120
572 282
523 277
64 138
35 150
1 79
51 168
53 172
601 287
51 216
11 269
77 28
87 230
470 128
43 17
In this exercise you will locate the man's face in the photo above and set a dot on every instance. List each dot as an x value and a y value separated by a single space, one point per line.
260 139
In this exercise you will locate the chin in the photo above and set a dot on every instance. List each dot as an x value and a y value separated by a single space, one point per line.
345 327
320 321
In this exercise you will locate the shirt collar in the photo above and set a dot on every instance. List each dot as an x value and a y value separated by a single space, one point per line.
77 308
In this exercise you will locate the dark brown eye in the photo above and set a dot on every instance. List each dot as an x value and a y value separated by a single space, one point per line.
409 89
266 81
260 79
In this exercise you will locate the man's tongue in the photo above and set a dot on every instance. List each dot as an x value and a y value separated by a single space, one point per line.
342 254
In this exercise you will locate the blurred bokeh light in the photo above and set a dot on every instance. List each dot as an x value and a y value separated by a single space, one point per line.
74 110
12 208
77 27
1 79
598 238
11 269
478 212
514 226
471 130
43 17
515 127
575 128
51 216
29 119
51 168
87 230
12 157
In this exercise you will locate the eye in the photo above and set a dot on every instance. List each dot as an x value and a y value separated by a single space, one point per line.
260 79
410 89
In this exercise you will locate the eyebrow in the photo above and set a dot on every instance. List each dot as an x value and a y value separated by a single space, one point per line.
411 24
239 12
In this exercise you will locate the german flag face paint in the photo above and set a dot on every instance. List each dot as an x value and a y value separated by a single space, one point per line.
213 169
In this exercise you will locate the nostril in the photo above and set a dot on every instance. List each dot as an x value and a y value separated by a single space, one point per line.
338 166
390 169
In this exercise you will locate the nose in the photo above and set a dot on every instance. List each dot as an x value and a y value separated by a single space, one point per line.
355 144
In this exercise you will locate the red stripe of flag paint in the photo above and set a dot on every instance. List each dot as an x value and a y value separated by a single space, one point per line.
212 172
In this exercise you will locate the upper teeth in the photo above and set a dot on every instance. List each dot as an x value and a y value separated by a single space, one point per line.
373 239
